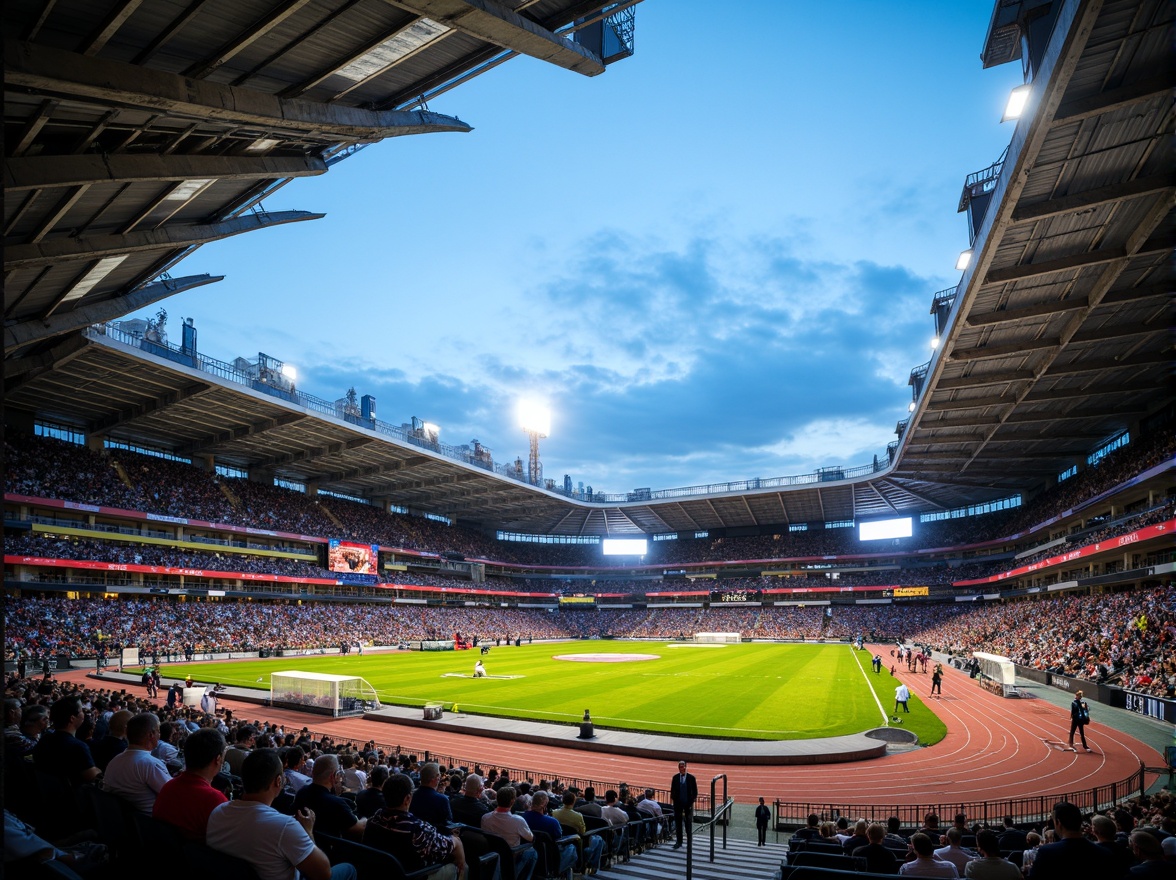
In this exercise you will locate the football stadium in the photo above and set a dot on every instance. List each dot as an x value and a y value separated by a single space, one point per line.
254 632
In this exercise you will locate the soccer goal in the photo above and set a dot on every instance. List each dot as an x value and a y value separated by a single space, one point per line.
335 695
718 638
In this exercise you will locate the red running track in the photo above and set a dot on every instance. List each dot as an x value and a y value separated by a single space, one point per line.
995 748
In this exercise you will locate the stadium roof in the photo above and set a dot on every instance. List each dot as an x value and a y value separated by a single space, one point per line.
137 131
1056 339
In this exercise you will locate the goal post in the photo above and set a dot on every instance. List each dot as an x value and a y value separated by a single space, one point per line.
335 695
718 638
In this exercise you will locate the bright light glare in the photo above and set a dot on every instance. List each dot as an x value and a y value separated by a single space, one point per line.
623 546
911 406
1016 105
431 429
964 259
881 529
534 417
289 372
934 342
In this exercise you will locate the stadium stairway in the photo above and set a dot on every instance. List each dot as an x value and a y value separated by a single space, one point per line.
741 859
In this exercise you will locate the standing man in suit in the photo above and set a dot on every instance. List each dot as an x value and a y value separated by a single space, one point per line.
683 794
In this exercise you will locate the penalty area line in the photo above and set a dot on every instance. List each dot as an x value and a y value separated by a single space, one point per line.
877 702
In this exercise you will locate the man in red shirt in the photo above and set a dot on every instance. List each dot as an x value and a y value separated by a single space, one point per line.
187 800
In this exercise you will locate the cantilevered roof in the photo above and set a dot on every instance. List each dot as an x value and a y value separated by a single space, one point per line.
1056 339
135 131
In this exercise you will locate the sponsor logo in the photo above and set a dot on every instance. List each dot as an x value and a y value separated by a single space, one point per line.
159 517
1129 539
73 505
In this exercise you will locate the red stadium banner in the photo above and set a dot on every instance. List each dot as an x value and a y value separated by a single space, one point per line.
1145 534
163 569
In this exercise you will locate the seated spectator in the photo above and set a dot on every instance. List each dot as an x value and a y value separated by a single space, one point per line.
859 837
612 813
1011 837
953 852
188 800
115 740
58 752
812 829
416 843
295 760
568 817
244 740
925 864
34 721
536 817
1072 854
514 830
278 847
354 779
333 814
166 749
990 865
1150 853
371 800
428 803
879 859
470 806
589 807
136 775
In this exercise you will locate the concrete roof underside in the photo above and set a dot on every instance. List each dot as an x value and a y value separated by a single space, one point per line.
1057 339
137 130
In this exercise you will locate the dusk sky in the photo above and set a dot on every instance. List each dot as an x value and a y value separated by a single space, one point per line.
715 261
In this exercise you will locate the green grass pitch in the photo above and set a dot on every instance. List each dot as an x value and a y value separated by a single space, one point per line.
745 691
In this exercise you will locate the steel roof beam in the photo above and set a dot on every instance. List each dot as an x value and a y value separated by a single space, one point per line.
504 27
20 371
1027 416
374 470
38 172
1002 377
195 447
974 403
1077 261
36 329
57 251
314 452
1093 198
1012 348
986 319
1038 394
234 47
1114 99
54 72
109 26
162 402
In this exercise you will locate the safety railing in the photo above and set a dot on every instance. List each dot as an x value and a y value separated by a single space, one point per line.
718 816
1023 810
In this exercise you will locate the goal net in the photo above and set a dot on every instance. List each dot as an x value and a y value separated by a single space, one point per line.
718 638
335 695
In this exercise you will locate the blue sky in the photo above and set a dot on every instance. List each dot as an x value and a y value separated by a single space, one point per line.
715 261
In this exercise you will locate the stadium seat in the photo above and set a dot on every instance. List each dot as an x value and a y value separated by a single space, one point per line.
370 863
201 862
486 842
549 854
821 860
811 872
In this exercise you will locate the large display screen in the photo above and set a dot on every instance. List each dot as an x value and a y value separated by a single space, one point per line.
623 546
353 558
882 529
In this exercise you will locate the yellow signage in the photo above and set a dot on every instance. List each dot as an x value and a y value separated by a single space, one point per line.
900 592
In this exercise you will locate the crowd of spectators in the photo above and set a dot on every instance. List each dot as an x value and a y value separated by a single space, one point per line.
1126 638
49 468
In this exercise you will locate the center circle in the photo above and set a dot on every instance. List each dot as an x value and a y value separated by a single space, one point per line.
605 658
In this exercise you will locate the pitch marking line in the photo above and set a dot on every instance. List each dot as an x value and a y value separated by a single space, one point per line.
877 702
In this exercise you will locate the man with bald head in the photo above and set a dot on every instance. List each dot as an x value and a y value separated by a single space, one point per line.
136 775
115 741
333 814
470 806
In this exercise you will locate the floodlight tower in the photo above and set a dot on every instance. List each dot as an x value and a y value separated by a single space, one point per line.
535 420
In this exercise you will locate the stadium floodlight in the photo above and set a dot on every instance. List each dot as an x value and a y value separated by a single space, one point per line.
964 259
1018 97
911 406
934 342
535 420
534 417
289 371
432 431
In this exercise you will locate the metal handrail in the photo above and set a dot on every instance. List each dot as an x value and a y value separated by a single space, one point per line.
716 816
1023 810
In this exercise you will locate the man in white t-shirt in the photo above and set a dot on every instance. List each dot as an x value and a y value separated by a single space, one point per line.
514 829
134 774
902 695
278 847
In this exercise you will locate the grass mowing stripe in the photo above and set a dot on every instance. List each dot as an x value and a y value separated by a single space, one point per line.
751 691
